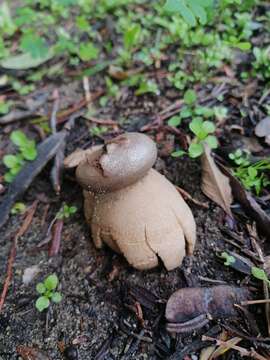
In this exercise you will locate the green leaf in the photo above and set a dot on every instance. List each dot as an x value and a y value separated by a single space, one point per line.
229 260
10 161
196 126
198 11
259 273
132 36
185 113
4 107
42 303
195 150
72 209
41 289
6 23
29 153
252 172
178 153
149 86
205 3
25 61
18 208
211 141
9 177
88 52
174 121
180 6
35 45
18 138
56 297
244 46
51 282
190 97
209 127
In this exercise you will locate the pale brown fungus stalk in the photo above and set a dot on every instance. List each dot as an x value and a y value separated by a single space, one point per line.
130 206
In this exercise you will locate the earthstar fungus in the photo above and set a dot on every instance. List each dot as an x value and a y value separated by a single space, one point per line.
130 206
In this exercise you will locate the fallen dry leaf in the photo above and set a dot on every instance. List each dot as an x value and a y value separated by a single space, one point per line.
215 185
30 353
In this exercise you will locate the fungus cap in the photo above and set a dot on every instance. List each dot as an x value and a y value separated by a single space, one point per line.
120 162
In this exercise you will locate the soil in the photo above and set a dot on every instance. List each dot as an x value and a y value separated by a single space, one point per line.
95 284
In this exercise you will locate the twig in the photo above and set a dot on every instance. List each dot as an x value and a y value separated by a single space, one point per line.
63 115
17 115
163 115
254 302
86 88
59 157
244 352
56 239
187 196
55 108
214 281
108 122
253 236
22 230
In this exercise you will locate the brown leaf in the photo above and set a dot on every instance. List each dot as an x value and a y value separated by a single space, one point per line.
215 185
29 353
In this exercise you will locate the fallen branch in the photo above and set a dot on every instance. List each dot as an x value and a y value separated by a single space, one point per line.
22 230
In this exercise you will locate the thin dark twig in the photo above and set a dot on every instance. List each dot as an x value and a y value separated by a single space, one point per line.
22 230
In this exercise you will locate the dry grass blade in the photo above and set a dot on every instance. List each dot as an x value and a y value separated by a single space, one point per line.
243 352
215 185
222 349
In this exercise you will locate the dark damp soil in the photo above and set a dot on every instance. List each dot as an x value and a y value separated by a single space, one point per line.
95 284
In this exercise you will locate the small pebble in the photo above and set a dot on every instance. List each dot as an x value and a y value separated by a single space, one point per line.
71 353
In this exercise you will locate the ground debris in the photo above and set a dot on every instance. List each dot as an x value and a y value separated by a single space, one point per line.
46 150
30 353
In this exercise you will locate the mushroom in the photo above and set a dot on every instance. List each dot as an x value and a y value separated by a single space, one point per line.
130 206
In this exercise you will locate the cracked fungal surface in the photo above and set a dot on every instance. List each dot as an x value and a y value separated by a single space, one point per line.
130 206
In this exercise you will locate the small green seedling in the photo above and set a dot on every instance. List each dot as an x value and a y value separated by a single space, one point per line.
27 152
256 272
260 274
252 176
98 130
47 291
240 157
66 211
18 208
202 131
229 259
